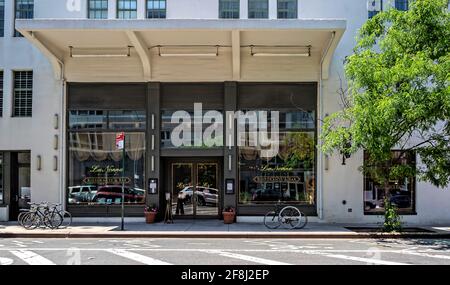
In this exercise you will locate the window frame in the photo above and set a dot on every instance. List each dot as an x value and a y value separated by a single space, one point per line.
287 10
14 97
2 84
16 33
371 14
2 18
155 11
126 10
413 193
89 10
230 11
248 8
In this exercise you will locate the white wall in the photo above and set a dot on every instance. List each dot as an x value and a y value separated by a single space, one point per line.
33 134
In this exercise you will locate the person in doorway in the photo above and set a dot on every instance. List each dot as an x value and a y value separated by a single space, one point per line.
180 203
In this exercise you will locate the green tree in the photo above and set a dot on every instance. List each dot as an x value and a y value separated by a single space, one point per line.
398 95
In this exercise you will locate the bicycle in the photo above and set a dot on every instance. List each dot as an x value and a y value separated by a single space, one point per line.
288 216
44 214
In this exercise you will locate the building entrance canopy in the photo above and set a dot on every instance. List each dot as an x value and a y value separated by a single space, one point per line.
172 50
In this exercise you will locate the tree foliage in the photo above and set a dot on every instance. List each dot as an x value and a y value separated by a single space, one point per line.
398 94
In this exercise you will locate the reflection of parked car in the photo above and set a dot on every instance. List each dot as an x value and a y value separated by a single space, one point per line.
205 195
81 194
266 195
401 200
112 194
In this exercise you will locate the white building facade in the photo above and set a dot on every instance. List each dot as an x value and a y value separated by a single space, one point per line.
78 72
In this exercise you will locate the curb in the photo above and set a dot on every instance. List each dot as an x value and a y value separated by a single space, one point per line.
231 235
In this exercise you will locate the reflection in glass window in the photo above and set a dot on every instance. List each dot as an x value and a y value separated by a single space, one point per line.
156 9
127 120
83 119
289 176
95 169
208 119
401 5
1 178
258 9
229 9
401 191
98 9
127 9
287 9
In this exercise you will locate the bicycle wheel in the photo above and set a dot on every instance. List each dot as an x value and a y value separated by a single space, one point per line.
66 219
271 220
20 217
30 221
53 220
290 217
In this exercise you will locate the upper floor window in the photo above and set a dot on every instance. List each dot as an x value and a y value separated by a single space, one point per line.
98 9
374 7
127 9
24 9
229 9
23 94
287 9
156 9
401 5
2 18
258 9
1 93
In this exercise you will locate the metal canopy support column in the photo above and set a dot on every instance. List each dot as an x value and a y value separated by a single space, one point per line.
142 50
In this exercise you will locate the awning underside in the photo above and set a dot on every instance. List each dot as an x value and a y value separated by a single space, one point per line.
186 50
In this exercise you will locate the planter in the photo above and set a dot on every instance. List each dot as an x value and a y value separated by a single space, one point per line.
150 217
228 217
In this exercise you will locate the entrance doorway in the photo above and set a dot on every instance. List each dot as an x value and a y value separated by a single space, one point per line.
195 188
20 191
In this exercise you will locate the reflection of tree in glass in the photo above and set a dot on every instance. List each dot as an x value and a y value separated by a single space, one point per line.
207 175
296 149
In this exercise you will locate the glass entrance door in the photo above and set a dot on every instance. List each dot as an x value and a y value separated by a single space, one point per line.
195 189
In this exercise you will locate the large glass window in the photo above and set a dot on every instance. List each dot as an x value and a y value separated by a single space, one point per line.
24 9
126 9
2 18
229 9
179 127
95 164
401 5
156 9
401 191
287 9
23 94
98 9
289 174
1 178
258 9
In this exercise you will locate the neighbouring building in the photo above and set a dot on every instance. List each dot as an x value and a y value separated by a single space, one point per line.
75 73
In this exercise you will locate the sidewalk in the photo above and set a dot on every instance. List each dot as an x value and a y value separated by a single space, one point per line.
210 229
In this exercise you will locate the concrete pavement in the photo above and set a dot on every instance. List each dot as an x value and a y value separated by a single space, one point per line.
224 252
212 229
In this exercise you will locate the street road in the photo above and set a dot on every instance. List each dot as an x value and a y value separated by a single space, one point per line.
223 251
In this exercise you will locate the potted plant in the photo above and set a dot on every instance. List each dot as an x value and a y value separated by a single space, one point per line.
150 214
228 214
